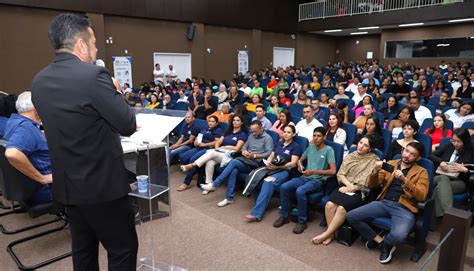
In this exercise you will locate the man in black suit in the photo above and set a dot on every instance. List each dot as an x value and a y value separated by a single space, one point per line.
83 116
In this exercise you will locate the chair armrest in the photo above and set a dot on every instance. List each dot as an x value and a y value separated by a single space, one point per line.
425 204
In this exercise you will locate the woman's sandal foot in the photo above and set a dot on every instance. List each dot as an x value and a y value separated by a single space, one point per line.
183 187
187 167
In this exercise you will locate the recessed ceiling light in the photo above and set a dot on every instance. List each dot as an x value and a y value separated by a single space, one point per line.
332 30
368 27
461 20
358 33
413 24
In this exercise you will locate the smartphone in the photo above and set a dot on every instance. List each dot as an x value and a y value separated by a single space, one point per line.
387 167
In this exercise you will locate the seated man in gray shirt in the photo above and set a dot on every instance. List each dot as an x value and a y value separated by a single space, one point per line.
260 112
259 146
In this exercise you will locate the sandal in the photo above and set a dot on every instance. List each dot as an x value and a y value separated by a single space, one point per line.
183 187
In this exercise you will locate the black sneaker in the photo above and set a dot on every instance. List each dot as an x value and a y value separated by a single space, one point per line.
299 228
386 252
281 221
371 244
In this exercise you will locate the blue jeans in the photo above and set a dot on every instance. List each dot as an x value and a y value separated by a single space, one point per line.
174 154
230 173
185 157
266 193
190 174
302 186
402 220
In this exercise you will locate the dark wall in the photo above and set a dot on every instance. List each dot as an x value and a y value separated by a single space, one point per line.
428 32
355 48
24 38
262 14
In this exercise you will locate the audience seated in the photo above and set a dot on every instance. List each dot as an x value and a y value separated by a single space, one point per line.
405 114
442 102
361 120
465 90
452 176
324 100
246 90
221 94
283 96
341 93
410 128
167 103
258 146
207 107
460 115
260 116
284 119
186 140
421 112
372 127
438 131
205 140
305 127
274 106
321 162
302 98
403 188
353 177
27 149
287 152
234 98
252 106
359 108
335 130
154 102
223 113
230 142
390 107
257 90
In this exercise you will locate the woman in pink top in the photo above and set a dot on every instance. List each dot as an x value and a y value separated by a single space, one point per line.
359 108
284 119
438 131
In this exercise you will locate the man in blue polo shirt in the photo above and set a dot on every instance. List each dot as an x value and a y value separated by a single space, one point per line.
186 140
26 147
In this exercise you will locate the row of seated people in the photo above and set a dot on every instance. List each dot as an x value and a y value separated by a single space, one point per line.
234 154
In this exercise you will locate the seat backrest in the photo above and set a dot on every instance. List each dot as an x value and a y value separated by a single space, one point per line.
427 123
296 110
429 166
15 186
181 106
223 125
338 152
302 141
349 102
423 139
351 132
201 124
387 141
468 125
444 141
251 115
274 135
271 117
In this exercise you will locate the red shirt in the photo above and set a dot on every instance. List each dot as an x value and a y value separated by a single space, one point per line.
437 135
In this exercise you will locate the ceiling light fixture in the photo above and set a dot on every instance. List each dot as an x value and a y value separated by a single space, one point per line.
332 30
413 24
368 27
358 33
461 20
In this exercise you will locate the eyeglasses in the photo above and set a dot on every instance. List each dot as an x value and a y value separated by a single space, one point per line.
455 141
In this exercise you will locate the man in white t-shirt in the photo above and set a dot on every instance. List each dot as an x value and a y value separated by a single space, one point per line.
359 94
421 112
245 89
158 74
305 127
171 73
353 86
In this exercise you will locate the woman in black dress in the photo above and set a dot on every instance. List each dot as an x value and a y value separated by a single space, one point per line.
353 176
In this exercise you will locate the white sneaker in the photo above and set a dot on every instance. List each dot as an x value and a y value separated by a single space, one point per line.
208 187
225 202
205 192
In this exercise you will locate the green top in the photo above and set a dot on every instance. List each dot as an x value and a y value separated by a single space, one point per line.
257 91
318 159
270 110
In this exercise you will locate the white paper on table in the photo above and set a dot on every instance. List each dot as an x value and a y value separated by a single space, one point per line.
153 128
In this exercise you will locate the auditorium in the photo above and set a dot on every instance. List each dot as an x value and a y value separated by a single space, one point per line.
237 135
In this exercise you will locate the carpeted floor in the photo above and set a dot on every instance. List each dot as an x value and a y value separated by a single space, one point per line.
204 236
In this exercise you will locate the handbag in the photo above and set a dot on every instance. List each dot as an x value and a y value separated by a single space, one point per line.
453 175
279 160
249 162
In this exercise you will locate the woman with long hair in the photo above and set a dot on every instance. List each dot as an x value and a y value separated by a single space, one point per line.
465 90
353 177
302 99
284 98
451 158
390 107
290 152
460 115
231 141
154 102
274 106
360 121
359 108
335 130
410 128
372 127
284 119
256 100
438 131
395 125
425 90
